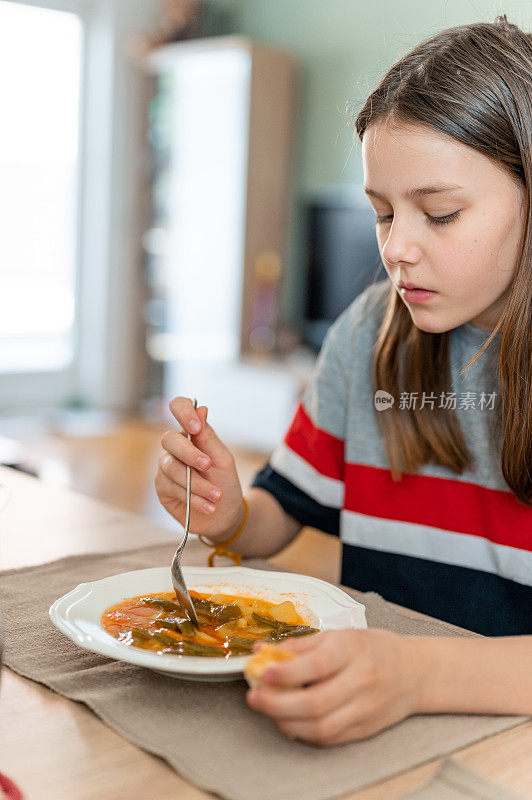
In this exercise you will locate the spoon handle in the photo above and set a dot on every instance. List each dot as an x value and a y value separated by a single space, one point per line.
189 481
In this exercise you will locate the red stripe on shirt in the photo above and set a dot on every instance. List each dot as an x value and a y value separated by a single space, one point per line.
320 449
441 503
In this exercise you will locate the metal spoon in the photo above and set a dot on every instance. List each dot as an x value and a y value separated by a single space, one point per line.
178 579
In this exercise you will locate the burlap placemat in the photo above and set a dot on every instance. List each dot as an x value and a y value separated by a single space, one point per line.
206 731
453 781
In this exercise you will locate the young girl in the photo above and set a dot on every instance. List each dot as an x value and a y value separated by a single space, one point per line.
421 466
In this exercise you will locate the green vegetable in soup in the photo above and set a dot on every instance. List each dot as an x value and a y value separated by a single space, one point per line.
240 647
203 606
227 613
179 625
195 649
160 602
271 623
139 635
282 630
163 638
169 623
216 612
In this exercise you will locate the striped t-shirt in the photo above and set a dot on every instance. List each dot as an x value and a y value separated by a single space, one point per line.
456 547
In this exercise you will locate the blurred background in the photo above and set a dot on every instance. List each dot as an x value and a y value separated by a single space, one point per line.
181 213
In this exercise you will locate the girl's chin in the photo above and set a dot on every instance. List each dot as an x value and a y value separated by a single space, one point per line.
429 323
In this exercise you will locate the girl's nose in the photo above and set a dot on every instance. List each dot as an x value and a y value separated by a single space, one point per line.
400 246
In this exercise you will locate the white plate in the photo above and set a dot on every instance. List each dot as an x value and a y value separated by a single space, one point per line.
77 614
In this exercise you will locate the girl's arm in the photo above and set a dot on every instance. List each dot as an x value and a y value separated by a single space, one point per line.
350 684
481 676
268 528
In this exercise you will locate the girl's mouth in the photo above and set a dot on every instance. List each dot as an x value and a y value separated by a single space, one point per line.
415 295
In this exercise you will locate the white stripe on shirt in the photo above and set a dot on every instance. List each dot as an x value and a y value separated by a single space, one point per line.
436 544
326 491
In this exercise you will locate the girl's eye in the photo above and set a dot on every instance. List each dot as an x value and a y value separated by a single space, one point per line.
432 220
443 220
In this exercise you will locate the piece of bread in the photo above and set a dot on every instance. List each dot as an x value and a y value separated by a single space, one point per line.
259 662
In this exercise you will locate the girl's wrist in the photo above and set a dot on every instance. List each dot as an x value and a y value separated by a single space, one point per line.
423 661
221 548
238 521
234 524
445 677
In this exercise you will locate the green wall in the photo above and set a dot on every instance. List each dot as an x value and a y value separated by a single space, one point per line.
343 47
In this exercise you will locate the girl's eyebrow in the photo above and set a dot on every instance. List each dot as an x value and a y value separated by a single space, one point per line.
421 191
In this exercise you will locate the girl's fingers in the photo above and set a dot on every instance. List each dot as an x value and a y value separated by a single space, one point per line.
343 723
169 490
177 472
177 445
310 703
209 442
183 410
315 661
206 444
202 412
357 718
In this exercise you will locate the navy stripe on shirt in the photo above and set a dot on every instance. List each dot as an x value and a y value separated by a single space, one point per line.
296 503
473 599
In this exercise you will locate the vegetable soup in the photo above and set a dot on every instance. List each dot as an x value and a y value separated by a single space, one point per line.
229 624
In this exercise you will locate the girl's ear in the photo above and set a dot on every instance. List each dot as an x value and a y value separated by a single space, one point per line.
202 412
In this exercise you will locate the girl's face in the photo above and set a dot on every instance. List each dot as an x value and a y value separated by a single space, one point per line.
448 219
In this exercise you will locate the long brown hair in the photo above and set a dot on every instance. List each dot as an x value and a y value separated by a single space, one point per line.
473 83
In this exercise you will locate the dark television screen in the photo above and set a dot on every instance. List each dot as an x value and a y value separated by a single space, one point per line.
343 259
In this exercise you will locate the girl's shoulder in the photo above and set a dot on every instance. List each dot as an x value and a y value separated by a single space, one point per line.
358 325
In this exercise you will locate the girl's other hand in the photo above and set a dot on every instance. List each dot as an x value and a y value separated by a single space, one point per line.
343 685
216 507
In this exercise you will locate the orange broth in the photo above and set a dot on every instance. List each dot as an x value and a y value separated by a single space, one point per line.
124 619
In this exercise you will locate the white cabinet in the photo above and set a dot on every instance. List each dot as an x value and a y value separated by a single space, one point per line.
223 156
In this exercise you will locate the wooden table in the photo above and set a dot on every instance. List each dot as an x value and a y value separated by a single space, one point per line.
56 749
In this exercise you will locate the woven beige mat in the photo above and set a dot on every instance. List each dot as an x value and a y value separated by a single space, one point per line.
206 731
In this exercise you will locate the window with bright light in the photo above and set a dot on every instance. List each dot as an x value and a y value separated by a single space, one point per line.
40 54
